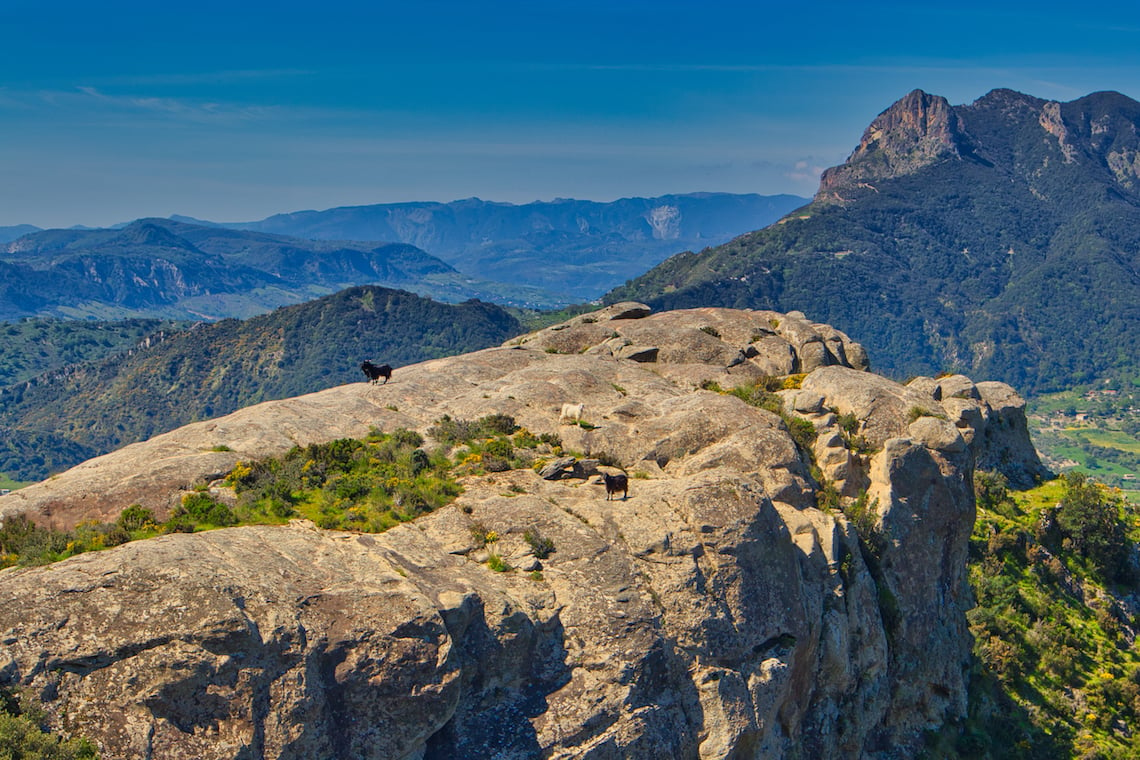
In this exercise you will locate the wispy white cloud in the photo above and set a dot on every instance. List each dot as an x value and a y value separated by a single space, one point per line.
804 170
177 107
93 101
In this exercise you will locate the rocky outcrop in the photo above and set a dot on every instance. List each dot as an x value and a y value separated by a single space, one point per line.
917 130
716 612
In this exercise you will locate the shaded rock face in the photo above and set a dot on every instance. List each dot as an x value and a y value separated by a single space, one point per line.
715 612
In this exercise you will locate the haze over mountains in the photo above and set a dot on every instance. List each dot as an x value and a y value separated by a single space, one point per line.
539 255
163 268
1001 238
575 247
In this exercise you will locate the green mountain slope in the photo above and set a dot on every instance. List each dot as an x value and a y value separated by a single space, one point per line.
1000 238
212 369
31 347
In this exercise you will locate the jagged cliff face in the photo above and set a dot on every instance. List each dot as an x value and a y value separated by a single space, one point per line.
1022 133
714 613
914 132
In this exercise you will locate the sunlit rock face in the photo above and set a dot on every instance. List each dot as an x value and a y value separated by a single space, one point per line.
714 612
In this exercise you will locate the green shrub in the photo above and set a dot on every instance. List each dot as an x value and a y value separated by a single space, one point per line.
498 564
22 739
915 412
849 423
23 542
452 432
991 491
864 515
136 517
802 432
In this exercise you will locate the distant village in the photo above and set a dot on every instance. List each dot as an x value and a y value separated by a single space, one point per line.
1097 431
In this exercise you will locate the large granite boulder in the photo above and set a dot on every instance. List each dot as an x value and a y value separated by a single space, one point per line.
716 612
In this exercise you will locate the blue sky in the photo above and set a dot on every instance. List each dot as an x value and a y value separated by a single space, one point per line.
111 111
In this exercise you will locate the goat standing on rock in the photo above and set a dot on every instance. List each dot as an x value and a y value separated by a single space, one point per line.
375 372
616 483
572 413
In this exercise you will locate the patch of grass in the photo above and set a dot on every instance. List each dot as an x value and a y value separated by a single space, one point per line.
12 485
915 412
762 394
498 564
366 485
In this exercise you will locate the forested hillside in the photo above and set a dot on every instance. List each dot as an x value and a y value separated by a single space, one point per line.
30 347
1001 239
65 416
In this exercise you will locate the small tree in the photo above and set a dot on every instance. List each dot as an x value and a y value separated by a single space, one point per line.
991 490
1090 517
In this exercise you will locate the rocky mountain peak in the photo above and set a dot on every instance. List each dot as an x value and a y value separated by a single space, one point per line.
917 130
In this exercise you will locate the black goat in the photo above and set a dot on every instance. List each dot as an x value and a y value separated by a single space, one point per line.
616 483
375 372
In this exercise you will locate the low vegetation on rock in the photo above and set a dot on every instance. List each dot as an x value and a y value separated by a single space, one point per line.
366 485
762 393
23 738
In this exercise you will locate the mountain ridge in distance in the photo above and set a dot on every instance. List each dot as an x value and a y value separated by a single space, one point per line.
580 248
168 269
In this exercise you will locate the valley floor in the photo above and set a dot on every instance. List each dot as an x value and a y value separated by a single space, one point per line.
1096 432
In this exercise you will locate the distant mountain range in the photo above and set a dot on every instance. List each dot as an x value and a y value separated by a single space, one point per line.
172 378
171 269
8 234
538 255
1001 238
576 248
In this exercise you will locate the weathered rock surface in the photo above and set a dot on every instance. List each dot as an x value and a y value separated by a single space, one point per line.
714 613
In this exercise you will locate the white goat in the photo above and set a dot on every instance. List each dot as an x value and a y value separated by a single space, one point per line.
571 413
